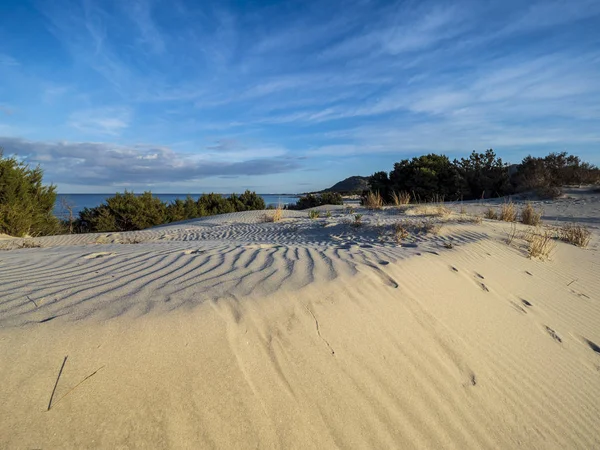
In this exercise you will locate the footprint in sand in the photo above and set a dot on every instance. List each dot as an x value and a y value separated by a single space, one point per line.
261 246
194 252
100 255
553 334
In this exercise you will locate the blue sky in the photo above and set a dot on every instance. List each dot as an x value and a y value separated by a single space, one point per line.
182 96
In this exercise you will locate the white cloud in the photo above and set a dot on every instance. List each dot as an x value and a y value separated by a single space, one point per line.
91 163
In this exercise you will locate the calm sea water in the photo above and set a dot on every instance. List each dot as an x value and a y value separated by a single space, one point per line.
81 201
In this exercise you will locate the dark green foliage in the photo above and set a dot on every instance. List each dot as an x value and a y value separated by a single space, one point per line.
553 171
427 177
129 212
481 175
380 182
124 212
484 175
252 201
215 204
25 203
313 200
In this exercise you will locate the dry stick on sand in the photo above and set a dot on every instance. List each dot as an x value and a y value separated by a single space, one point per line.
31 300
78 384
56 384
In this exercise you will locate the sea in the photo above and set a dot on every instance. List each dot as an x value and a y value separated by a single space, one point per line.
80 201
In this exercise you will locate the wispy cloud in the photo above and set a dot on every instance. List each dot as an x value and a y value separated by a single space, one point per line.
7 60
111 121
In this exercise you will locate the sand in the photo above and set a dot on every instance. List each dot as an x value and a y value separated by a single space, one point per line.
230 332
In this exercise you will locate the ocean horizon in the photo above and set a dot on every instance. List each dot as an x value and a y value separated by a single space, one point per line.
81 201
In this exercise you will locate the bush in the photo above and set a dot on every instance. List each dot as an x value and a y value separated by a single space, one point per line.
427 177
129 212
484 175
25 203
314 200
552 171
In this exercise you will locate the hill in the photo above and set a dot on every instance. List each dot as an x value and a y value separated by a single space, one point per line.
350 184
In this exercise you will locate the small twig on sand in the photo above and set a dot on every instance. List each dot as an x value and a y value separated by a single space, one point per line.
31 300
77 385
56 384
572 282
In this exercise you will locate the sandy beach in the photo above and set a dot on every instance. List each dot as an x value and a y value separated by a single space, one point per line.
234 332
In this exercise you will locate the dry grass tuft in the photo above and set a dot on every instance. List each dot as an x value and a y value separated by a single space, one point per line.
314 214
429 210
373 200
529 216
401 198
541 244
491 214
275 216
508 212
575 234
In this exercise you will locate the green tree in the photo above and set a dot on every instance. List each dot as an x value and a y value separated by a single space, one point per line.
26 204
427 177
484 174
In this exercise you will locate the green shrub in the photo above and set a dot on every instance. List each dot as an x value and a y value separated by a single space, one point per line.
129 212
25 203
313 214
314 200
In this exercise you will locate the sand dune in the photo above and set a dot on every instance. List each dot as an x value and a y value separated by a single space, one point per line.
229 332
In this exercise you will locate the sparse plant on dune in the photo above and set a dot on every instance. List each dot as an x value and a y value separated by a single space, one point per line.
357 220
541 244
430 226
275 215
350 209
328 214
508 212
575 234
511 234
372 200
429 210
470 219
15 244
400 232
529 216
491 213
313 214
